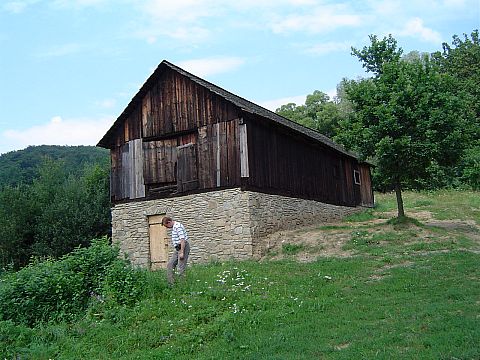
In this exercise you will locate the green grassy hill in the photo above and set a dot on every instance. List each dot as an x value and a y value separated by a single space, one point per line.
21 167
383 291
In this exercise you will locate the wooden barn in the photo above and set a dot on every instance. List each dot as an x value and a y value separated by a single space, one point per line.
231 171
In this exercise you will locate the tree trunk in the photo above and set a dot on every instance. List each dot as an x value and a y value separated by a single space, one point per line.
398 192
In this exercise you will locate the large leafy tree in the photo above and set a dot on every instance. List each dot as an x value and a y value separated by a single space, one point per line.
461 59
318 113
408 116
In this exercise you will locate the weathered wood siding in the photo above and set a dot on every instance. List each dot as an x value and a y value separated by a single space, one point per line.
127 181
287 164
178 136
366 190
206 159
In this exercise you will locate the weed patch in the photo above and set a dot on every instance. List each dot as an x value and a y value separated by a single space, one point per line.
292 249
361 216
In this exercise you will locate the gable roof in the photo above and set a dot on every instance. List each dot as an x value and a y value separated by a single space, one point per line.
243 104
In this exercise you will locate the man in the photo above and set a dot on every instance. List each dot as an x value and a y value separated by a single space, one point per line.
181 248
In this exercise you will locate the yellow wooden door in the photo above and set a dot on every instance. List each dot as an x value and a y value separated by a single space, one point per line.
158 242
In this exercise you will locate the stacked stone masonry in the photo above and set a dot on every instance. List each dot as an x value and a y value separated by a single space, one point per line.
221 225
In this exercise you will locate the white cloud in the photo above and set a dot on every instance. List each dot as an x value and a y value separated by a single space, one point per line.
179 10
321 19
415 28
18 6
180 20
455 3
211 66
15 7
78 3
58 131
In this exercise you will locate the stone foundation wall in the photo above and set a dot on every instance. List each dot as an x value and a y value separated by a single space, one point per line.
221 225
271 213
217 224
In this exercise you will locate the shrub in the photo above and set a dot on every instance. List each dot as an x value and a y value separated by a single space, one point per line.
121 284
61 290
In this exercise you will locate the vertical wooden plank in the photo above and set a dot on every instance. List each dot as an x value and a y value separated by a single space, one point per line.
161 162
131 170
187 178
203 158
217 151
147 125
230 138
236 146
149 169
114 188
126 171
244 168
171 160
223 154
139 180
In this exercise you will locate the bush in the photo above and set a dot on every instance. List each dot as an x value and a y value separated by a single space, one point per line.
61 290
471 168
121 284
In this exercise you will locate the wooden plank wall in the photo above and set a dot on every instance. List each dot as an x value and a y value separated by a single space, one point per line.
177 104
174 104
349 184
187 177
366 192
176 111
215 157
127 171
283 164
218 155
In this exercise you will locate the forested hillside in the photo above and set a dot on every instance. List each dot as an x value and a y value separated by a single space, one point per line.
52 200
22 166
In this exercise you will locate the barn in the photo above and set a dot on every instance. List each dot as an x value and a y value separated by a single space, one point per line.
231 171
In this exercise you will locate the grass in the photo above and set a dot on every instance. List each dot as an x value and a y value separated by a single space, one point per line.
444 204
409 292
292 249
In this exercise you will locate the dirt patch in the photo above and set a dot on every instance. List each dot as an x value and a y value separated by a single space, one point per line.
329 240
314 243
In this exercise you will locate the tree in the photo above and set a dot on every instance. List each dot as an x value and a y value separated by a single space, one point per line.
408 116
318 113
379 53
75 209
17 221
59 212
461 59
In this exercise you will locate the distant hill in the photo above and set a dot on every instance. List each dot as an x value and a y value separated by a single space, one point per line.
21 167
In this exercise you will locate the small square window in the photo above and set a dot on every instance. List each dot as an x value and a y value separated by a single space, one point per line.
356 177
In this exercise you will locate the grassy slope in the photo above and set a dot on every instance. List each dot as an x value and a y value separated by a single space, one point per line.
399 296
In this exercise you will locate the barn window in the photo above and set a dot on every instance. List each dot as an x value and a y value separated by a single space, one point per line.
356 177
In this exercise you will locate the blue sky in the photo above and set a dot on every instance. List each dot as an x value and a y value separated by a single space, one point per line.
68 68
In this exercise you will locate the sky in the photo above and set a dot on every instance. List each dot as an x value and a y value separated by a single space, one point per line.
68 68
